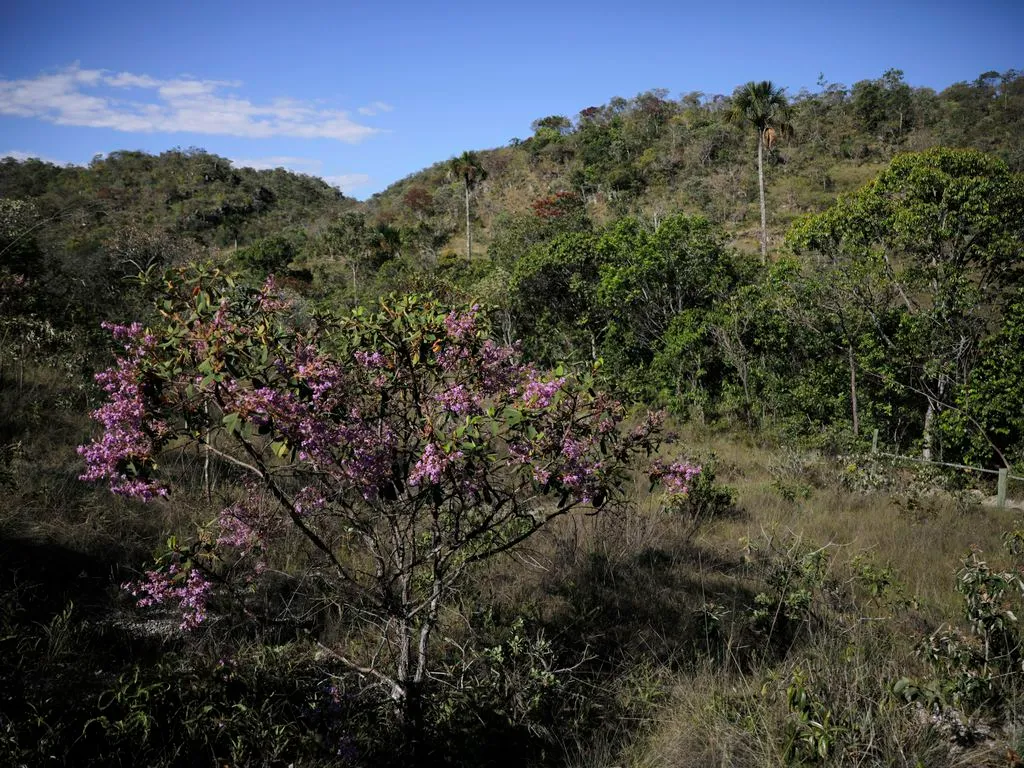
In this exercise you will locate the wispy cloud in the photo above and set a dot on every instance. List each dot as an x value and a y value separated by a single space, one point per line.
138 103
346 182
377 107
17 154
300 164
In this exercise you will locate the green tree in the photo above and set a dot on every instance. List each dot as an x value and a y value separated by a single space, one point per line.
941 235
988 423
554 298
268 256
468 169
765 107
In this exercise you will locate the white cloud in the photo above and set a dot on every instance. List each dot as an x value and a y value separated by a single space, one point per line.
346 182
16 154
299 164
376 107
96 99
128 80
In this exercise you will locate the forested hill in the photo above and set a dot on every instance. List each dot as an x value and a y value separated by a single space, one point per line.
189 194
647 156
78 231
652 155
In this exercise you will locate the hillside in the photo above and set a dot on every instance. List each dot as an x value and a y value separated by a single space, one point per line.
652 155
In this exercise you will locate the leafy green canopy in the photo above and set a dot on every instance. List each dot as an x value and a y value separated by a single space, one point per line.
936 242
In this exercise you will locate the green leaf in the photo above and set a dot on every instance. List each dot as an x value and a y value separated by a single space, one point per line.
232 422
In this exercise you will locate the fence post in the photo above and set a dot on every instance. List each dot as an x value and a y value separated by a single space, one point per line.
874 441
1001 488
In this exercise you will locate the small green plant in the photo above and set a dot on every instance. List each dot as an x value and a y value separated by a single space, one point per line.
812 734
508 690
980 669
795 475
795 578
866 475
127 708
881 584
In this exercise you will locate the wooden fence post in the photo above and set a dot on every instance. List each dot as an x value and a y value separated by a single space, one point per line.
1001 488
874 441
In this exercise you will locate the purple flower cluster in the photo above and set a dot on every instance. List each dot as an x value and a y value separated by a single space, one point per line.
573 463
309 500
462 325
235 529
244 529
432 464
190 591
129 437
539 392
459 400
268 300
370 360
675 477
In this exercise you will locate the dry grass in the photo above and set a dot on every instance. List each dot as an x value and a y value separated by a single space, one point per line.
916 528
632 591
633 588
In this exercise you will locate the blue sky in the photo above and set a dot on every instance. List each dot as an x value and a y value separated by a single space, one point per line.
365 93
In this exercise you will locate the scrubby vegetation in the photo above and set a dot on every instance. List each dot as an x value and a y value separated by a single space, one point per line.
533 459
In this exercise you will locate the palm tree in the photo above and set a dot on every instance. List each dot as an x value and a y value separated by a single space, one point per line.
765 107
468 168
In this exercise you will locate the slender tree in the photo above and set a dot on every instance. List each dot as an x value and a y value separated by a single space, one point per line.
764 106
467 167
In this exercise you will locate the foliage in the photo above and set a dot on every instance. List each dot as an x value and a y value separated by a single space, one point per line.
923 260
795 580
618 292
404 447
267 256
979 670
616 240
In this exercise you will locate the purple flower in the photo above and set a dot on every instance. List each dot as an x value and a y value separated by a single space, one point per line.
130 435
432 464
190 592
539 392
461 325
676 477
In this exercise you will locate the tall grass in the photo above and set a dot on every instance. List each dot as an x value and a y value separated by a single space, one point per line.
765 630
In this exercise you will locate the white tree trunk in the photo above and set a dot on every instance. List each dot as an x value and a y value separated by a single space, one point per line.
469 232
760 189
853 391
929 416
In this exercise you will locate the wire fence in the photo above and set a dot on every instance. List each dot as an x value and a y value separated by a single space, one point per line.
1003 473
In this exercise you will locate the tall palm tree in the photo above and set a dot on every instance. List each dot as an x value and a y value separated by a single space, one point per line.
468 168
764 106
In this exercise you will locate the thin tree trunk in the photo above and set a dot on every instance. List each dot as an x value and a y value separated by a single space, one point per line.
929 416
760 189
853 391
207 488
469 232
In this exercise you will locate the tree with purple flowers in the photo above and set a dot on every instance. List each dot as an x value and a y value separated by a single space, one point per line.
401 446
